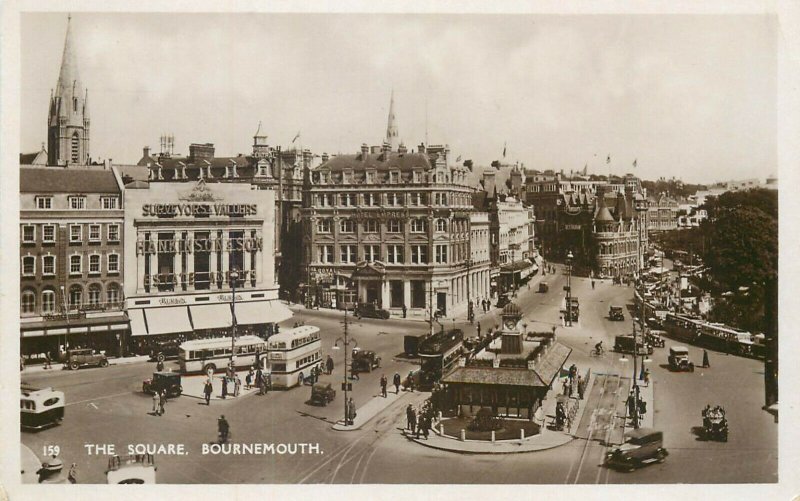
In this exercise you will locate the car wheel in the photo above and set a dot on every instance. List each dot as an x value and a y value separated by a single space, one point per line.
104 363
160 357
74 366
211 367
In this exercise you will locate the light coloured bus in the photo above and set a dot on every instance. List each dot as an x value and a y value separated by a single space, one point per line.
292 354
202 355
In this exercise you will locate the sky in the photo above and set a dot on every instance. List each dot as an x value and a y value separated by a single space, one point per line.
689 96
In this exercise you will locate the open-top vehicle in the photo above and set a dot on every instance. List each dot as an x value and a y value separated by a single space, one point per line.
715 425
616 313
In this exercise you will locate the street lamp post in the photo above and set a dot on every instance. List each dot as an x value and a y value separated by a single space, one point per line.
640 206
66 315
568 321
345 341
232 278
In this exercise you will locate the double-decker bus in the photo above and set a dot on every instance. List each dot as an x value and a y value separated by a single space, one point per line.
439 354
292 354
204 355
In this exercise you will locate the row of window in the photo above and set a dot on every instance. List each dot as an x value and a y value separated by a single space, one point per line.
75 233
307 360
394 253
77 202
48 298
373 226
75 264
392 199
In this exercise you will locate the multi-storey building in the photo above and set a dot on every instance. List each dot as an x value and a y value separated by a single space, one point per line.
266 168
515 249
187 246
71 260
392 228
662 213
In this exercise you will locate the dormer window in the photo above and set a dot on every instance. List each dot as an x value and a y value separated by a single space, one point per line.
417 176
370 177
394 177
347 177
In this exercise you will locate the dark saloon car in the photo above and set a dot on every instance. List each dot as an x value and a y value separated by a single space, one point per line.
169 381
369 310
164 349
75 359
642 447
322 394
365 361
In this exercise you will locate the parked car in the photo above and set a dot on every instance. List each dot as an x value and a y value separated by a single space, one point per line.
168 381
615 313
162 350
642 446
679 359
624 344
655 337
544 287
364 361
369 310
75 359
322 394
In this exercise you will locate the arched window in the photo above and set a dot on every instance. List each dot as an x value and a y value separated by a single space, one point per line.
94 294
48 301
74 104
75 297
441 225
75 147
28 302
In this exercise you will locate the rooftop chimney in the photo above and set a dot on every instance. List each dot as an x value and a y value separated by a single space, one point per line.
364 151
421 148
489 181
325 157
146 151
402 148
200 151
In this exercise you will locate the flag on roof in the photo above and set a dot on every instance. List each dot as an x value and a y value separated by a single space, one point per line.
504 149
634 162
608 160
296 137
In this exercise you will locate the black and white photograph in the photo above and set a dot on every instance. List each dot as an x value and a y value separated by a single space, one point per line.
407 248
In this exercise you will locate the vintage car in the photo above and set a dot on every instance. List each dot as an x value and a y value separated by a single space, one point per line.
364 361
624 344
715 425
502 300
655 338
75 359
40 407
162 350
369 310
544 287
615 313
322 394
679 359
642 446
132 469
168 381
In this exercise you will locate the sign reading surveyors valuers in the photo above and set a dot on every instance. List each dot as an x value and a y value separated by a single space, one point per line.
198 209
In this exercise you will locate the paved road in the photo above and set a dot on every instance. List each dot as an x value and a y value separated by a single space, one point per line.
105 406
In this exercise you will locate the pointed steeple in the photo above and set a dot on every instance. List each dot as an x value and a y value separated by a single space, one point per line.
68 120
392 134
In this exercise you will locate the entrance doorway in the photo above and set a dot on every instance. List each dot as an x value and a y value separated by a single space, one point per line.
373 292
441 302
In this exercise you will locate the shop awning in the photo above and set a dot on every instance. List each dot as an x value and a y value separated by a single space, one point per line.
211 316
74 326
261 312
138 327
170 320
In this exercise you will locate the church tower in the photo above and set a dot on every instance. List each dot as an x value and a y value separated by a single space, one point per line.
68 121
391 129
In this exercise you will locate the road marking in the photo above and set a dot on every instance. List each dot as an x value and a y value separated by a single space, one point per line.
93 405
97 398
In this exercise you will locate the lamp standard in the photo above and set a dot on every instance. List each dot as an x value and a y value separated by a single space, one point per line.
345 341
66 314
232 278
640 206
568 321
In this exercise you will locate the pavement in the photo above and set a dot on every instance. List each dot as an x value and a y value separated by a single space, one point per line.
372 408
57 366
193 387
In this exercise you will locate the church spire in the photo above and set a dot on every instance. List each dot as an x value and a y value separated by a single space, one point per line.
391 129
68 121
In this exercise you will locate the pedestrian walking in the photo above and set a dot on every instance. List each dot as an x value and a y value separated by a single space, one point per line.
409 416
580 387
162 401
155 402
647 377
478 326
706 362
413 423
426 424
248 379
384 383
160 366
396 382
565 385
329 365
224 386
237 385
352 410
418 417
207 391
592 284
223 429
47 360
405 310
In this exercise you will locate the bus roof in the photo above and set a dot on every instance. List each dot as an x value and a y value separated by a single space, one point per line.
219 342
288 335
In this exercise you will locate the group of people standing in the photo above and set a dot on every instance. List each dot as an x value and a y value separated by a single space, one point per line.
486 304
419 421
396 380
159 401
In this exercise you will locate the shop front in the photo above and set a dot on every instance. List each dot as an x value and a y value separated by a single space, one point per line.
56 333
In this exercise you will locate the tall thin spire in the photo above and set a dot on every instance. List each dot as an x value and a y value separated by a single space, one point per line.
392 133
68 77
